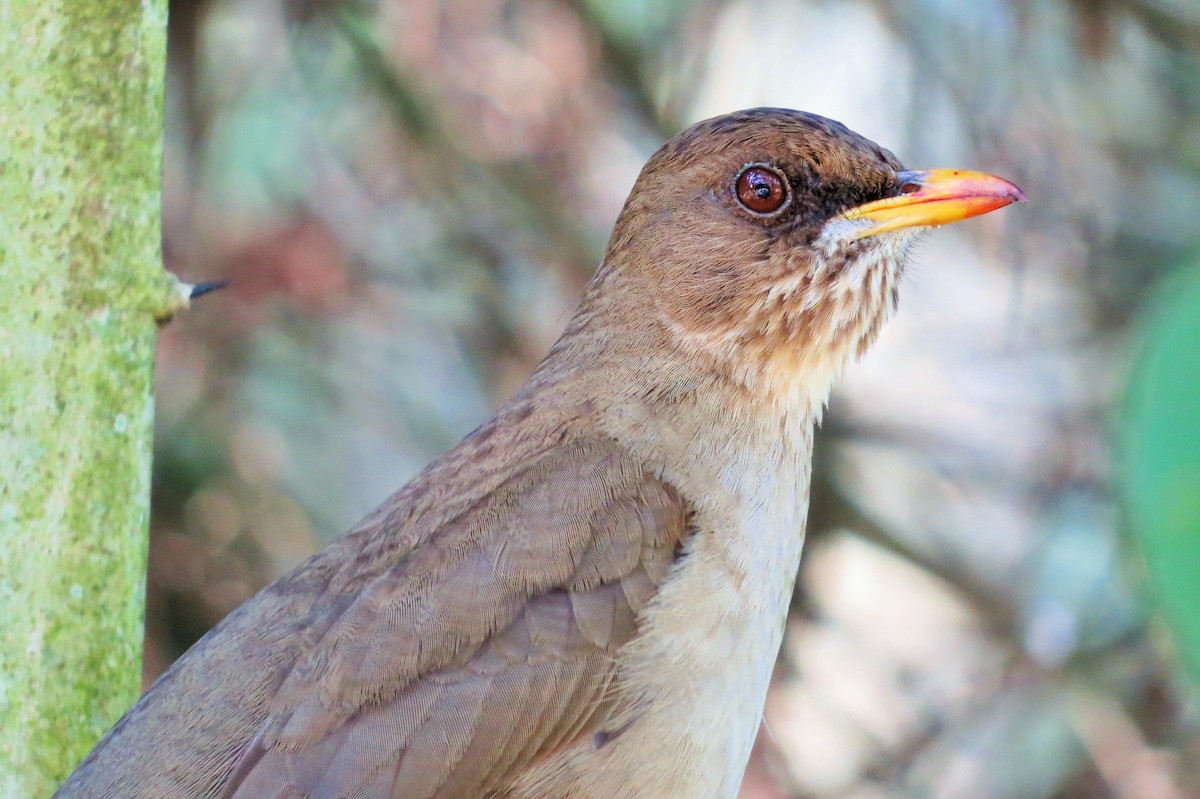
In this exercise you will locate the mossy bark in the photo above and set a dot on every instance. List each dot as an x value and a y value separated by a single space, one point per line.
81 285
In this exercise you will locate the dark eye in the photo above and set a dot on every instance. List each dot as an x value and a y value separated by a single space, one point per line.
762 189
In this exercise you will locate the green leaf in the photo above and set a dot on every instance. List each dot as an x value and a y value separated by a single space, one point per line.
1161 437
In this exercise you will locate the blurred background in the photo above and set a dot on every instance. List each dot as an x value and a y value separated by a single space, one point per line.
1000 594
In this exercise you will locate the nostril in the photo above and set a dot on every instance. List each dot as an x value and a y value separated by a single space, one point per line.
910 188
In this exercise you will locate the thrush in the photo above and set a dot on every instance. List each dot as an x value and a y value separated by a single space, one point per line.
584 598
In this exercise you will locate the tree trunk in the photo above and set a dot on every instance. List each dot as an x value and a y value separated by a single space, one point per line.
81 285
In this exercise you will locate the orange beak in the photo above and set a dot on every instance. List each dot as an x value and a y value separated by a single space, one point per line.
936 197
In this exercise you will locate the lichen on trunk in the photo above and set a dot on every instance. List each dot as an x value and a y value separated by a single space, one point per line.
81 88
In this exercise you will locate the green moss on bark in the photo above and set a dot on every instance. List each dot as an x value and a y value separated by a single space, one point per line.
82 283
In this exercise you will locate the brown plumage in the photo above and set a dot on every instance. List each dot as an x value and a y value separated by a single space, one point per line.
585 597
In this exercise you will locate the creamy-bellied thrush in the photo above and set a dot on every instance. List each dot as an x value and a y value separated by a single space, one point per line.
584 598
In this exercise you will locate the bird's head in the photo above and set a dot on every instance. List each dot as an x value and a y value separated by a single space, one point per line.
770 243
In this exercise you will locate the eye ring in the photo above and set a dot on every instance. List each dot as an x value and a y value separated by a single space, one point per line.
762 190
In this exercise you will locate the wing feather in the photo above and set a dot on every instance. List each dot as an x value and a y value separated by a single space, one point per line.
486 648
467 629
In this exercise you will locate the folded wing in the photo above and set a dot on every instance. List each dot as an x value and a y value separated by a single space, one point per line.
492 643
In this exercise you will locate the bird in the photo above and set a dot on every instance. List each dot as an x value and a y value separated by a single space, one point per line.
586 596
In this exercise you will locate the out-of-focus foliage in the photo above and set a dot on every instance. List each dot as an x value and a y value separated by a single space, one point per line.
1163 455
410 194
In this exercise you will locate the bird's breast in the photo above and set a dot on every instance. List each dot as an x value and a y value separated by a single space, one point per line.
713 637
696 676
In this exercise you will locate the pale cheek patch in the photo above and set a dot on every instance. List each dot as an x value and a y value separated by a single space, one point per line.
839 232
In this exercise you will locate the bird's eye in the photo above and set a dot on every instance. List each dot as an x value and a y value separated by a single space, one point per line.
762 190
